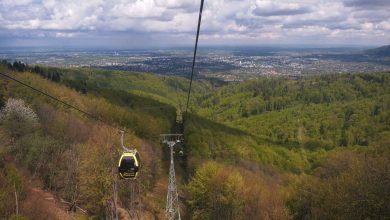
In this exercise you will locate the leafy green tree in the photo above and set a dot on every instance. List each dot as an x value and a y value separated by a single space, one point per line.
348 185
12 190
38 152
215 193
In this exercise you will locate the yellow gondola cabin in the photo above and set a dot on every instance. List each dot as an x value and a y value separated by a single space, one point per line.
129 164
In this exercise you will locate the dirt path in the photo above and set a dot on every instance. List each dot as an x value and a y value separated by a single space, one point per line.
40 204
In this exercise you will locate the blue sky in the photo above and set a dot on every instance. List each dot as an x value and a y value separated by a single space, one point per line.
165 23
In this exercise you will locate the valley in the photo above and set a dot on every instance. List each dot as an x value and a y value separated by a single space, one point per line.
269 140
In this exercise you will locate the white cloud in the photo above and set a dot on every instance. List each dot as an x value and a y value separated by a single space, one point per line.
65 35
14 3
222 19
178 4
136 9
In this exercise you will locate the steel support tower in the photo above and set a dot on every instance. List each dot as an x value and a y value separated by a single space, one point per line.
172 211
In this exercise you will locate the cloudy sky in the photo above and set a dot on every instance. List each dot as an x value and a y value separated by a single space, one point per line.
150 23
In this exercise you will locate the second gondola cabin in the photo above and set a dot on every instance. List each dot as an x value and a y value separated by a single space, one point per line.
129 164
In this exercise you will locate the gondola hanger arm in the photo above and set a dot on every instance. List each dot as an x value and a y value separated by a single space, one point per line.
122 135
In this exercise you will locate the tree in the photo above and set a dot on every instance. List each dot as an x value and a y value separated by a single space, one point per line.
96 173
215 193
223 192
347 185
18 118
69 178
11 189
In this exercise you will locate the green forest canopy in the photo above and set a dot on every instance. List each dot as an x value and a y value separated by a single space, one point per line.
284 132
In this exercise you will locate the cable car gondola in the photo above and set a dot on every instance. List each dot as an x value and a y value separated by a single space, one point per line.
129 164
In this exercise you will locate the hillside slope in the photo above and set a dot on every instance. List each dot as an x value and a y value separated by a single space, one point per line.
333 110
383 51
252 150
64 146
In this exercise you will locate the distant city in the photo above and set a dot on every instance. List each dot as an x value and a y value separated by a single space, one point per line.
228 64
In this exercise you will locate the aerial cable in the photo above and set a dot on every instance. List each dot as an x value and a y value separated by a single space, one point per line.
194 58
77 109
60 101
128 153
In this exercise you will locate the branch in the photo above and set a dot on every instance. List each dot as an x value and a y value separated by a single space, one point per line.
69 203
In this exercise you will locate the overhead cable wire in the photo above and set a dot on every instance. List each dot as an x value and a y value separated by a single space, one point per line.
60 101
195 50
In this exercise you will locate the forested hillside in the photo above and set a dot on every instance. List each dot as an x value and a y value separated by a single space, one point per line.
272 148
171 90
76 157
320 112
